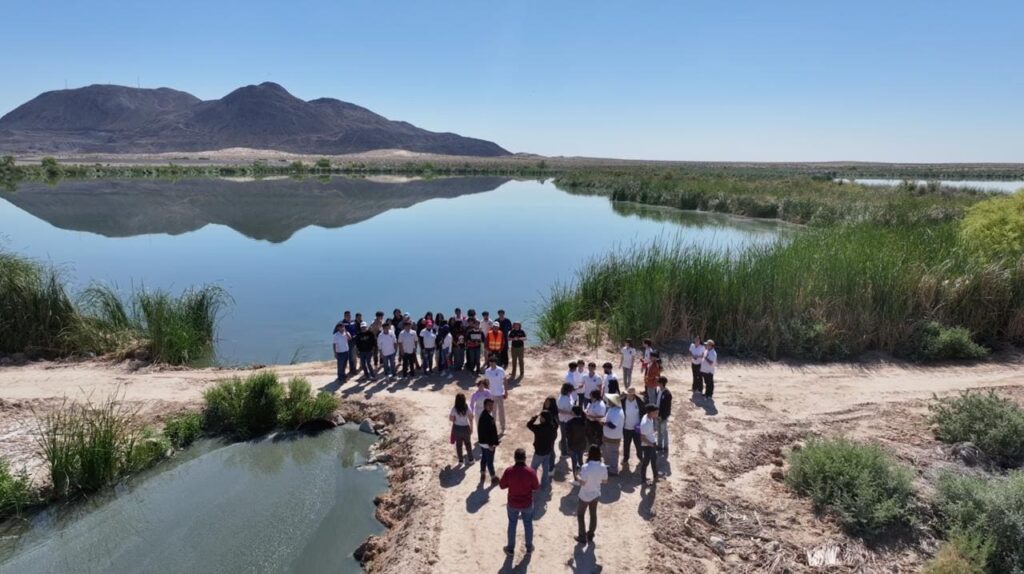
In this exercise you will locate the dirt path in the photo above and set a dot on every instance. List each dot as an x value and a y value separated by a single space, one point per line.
719 510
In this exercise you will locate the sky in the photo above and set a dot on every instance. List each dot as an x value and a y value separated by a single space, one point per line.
893 80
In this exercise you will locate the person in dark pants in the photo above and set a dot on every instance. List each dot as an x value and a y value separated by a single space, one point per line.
517 345
543 445
649 444
366 344
697 351
474 344
664 403
592 476
708 367
505 324
340 345
408 342
576 434
634 409
352 326
487 436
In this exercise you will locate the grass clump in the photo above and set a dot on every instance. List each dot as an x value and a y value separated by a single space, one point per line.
182 430
964 554
994 228
991 511
858 483
936 342
15 491
300 405
244 408
993 424
36 313
559 313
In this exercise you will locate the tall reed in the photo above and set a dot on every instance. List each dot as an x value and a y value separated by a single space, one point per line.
36 313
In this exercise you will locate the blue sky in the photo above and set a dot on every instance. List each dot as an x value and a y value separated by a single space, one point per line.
899 80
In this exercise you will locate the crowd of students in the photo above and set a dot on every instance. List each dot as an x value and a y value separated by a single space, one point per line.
594 416
429 344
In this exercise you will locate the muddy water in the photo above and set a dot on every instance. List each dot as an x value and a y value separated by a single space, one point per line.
296 504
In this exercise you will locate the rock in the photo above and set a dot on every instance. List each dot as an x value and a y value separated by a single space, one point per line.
367 550
718 544
778 462
778 475
383 458
367 426
338 420
688 503
378 500
5 361
796 447
711 513
968 453
773 547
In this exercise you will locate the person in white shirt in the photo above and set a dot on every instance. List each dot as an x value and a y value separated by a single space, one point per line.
496 378
591 382
633 411
341 350
566 401
697 351
614 421
428 338
595 412
575 378
476 401
462 427
408 342
592 476
645 360
446 352
707 368
387 344
649 443
627 356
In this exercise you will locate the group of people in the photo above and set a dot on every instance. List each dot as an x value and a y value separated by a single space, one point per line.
429 344
594 417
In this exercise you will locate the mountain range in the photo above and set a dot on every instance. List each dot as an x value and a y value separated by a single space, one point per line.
120 119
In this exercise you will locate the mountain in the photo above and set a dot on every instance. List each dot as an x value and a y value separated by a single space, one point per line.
119 119
269 209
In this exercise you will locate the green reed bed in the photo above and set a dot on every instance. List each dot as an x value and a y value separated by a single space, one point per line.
36 312
822 294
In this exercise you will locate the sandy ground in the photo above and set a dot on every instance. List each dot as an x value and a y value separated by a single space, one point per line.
719 509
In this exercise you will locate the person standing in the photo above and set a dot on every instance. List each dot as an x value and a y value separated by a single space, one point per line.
663 401
495 343
653 372
543 445
476 402
614 419
632 411
341 350
645 360
521 482
505 324
517 346
352 326
565 402
487 436
697 351
592 476
576 436
387 344
366 344
627 356
609 382
496 377
474 342
462 427
428 342
708 367
408 341
649 443
445 360
459 354
572 377
376 327
595 411
591 382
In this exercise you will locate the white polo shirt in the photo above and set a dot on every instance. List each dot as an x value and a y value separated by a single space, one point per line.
696 353
429 338
710 362
565 403
628 355
592 475
617 418
496 377
647 431
387 343
341 342
591 384
408 340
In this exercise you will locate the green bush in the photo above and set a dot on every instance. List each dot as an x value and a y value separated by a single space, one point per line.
936 342
994 228
865 490
244 408
149 448
300 406
993 424
991 511
36 313
963 554
182 430
15 491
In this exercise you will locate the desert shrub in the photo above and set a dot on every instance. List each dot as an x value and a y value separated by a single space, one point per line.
963 554
182 430
299 405
244 408
858 483
991 511
149 448
992 423
15 491
936 342
994 229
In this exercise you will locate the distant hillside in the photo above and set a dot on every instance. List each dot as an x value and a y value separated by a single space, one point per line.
119 119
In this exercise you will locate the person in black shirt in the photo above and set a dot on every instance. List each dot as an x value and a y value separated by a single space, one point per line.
576 432
505 325
544 436
517 342
366 344
664 404
487 436
474 342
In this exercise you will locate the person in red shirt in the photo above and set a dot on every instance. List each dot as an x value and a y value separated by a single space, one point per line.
521 482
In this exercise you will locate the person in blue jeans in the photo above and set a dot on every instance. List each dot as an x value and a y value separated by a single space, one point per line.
341 349
544 435
521 482
487 436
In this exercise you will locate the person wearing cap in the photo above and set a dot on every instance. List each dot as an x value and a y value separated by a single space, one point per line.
663 400
521 482
506 327
408 341
366 343
697 350
428 345
627 357
544 435
387 344
517 346
632 410
496 377
341 349
707 368
474 343
591 382
592 476
495 343
648 443
614 422
609 382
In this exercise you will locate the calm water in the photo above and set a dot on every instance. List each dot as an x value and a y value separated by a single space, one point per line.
297 505
1004 186
295 254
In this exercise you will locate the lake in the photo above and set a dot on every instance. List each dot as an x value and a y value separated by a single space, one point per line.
1009 186
294 254
286 504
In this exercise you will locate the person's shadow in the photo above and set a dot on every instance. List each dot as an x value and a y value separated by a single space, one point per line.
646 506
705 403
567 505
523 565
583 560
452 475
479 497
540 502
